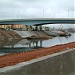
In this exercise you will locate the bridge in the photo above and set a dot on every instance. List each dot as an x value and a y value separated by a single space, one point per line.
39 21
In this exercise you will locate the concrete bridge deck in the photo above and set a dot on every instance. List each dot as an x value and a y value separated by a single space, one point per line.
39 21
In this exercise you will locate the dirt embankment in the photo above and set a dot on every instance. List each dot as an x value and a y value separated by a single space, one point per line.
14 58
8 35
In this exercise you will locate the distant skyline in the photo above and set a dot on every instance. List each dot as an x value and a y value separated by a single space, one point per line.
15 9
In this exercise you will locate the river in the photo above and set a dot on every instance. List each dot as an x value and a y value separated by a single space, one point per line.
63 64
25 45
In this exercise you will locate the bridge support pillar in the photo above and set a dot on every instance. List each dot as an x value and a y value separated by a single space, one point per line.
36 43
40 27
36 28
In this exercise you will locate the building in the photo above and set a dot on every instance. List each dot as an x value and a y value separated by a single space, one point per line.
15 27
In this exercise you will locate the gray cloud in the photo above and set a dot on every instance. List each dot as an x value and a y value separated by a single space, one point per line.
36 8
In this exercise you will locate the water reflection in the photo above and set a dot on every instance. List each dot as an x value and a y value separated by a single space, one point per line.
59 65
25 45
21 46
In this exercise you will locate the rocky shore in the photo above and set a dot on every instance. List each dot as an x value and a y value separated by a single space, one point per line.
14 58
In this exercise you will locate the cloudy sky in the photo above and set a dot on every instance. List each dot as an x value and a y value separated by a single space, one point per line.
12 9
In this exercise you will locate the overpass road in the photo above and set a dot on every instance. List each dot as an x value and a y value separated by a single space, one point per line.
39 21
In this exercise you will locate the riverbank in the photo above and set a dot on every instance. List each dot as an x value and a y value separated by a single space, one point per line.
8 35
14 58
14 34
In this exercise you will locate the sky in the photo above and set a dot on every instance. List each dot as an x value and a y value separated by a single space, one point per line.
22 9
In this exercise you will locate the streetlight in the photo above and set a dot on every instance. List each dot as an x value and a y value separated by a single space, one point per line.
43 13
17 14
68 13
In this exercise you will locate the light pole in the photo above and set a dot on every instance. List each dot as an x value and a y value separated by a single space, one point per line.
17 14
54 14
43 13
68 13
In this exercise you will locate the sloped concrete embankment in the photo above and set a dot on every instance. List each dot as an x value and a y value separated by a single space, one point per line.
37 34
